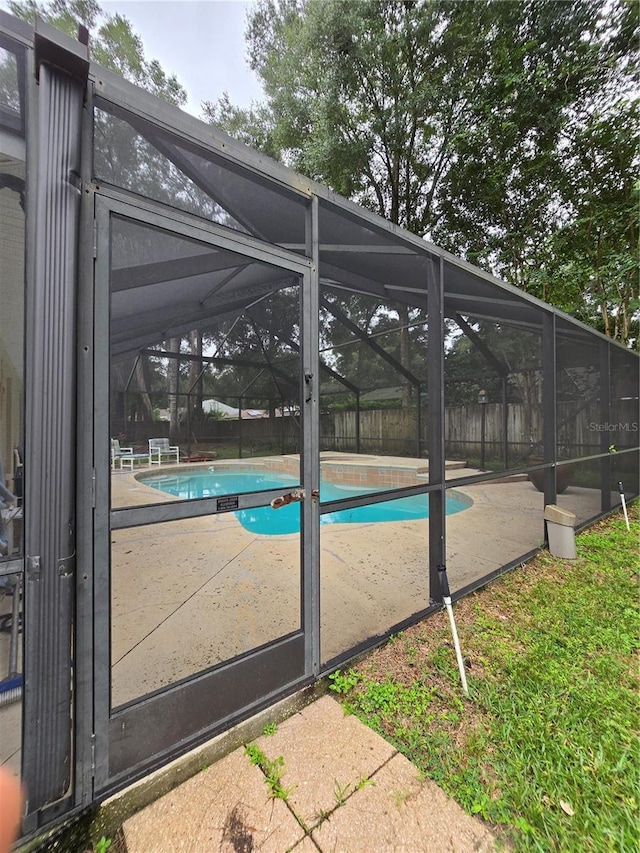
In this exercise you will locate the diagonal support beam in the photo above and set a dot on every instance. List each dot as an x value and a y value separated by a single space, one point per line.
142 275
480 345
296 347
267 358
217 359
349 324
182 162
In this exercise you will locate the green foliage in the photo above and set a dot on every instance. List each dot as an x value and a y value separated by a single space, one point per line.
541 189
596 251
255 754
342 682
360 96
215 415
341 792
252 126
102 845
113 42
273 770
507 131
549 746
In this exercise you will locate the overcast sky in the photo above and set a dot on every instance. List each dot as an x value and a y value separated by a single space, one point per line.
200 41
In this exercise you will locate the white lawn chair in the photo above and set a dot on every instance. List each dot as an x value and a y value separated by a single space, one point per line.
159 448
118 452
123 457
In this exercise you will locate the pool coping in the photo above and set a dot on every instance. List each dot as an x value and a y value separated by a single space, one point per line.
367 471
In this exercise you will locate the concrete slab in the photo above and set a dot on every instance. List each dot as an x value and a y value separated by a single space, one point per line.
349 792
225 808
397 812
326 755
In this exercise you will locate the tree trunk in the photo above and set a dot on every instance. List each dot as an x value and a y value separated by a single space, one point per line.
141 379
405 355
195 369
174 375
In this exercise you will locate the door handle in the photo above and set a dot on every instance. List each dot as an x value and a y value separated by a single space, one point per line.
292 497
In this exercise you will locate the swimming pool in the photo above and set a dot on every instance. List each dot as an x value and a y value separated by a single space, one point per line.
266 521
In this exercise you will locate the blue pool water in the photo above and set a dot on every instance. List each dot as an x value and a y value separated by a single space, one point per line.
269 522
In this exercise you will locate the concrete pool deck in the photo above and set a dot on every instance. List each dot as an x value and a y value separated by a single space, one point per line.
189 594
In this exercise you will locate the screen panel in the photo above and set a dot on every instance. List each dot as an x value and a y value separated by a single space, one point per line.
190 595
205 363
579 386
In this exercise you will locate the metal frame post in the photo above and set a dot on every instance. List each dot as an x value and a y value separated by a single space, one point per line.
310 412
435 421
549 394
418 421
483 399
50 423
84 635
505 421
605 415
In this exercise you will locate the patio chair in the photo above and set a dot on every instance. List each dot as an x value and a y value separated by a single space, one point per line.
123 457
159 448
118 452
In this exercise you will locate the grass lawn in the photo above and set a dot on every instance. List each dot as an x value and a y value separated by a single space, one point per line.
547 747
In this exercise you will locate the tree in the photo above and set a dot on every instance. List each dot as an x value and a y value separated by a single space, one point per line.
595 254
457 120
533 186
113 43
350 103
365 96
251 126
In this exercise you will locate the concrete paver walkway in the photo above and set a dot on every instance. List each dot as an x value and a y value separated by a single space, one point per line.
347 791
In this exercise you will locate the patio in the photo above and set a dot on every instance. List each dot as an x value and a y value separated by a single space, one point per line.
153 264
190 594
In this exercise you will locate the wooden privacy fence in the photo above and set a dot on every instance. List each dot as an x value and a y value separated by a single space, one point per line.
394 431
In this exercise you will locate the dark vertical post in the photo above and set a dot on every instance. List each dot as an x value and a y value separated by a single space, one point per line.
435 439
549 393
505 420
282 441
358 421
418 422
606 479
84 670
53 217
239 427
97 571
188 423
310 413
482 399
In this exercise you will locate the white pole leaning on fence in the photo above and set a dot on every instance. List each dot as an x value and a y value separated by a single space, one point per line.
446 598
624 505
